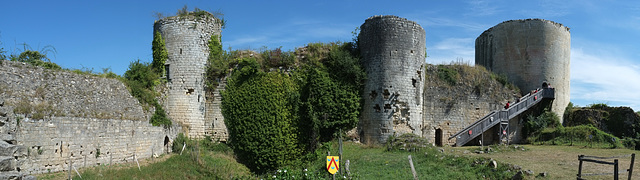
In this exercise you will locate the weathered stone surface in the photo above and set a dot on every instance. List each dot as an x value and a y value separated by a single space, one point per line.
64 93
7 163
7 149
186 40
393 52
14 175
529 52
449 109
89 142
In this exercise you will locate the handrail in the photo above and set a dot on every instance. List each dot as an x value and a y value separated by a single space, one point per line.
497 116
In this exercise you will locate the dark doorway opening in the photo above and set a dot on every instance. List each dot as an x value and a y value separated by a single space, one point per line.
438 137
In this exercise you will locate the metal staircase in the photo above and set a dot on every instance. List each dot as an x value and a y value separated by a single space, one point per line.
502 117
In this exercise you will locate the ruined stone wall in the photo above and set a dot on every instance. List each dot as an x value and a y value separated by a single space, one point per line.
214 112
529 52
449 109
186 39
88 142
393 52
50 117
63 93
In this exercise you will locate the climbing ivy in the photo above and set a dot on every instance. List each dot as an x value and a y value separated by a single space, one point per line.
160 54
259 112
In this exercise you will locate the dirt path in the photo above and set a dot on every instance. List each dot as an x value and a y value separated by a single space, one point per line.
560 162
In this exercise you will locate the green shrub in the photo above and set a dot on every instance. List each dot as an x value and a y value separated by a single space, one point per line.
160 118
217 63
448 75
141 79
258 112
534 125
180 140
582 134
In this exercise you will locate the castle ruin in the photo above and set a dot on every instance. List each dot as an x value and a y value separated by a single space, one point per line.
393 52
186 40
529 52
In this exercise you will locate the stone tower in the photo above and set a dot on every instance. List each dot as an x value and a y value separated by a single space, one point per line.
393 52
529 52
186 39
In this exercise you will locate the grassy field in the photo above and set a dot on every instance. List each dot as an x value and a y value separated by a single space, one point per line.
560 162
367 162
375 162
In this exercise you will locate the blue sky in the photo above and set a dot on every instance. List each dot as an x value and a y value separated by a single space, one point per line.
605 56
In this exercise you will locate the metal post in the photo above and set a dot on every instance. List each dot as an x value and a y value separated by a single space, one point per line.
633 158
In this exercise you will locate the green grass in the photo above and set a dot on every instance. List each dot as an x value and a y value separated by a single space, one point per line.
376 162
367 162
210 165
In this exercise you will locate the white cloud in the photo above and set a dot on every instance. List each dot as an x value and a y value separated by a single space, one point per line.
452 49
598 77
448 22
482 8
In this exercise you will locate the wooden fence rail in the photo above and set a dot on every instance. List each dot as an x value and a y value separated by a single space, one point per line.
600 160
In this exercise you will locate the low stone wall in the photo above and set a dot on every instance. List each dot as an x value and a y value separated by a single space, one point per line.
50 144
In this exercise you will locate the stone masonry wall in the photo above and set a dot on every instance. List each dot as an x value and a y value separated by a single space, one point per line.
451 108
186 39
214 112
88 142
529 52
393 52
50 117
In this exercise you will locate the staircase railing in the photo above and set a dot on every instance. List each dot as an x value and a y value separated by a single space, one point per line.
495 117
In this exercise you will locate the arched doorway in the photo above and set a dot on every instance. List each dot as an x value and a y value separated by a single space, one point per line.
166 143
438 137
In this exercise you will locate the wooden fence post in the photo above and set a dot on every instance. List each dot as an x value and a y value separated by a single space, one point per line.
633 158
615 169
413 169
580 166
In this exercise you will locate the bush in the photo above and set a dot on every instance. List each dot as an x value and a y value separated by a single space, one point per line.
259 114
178 143
535 125
159 117
448 75
583 134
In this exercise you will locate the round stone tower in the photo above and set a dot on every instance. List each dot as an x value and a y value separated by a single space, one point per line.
186 38
529 52
393 54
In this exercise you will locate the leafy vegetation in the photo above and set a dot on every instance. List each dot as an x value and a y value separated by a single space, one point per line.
534 125
448 75
310 100
262 123
141 79
34 57
160 54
